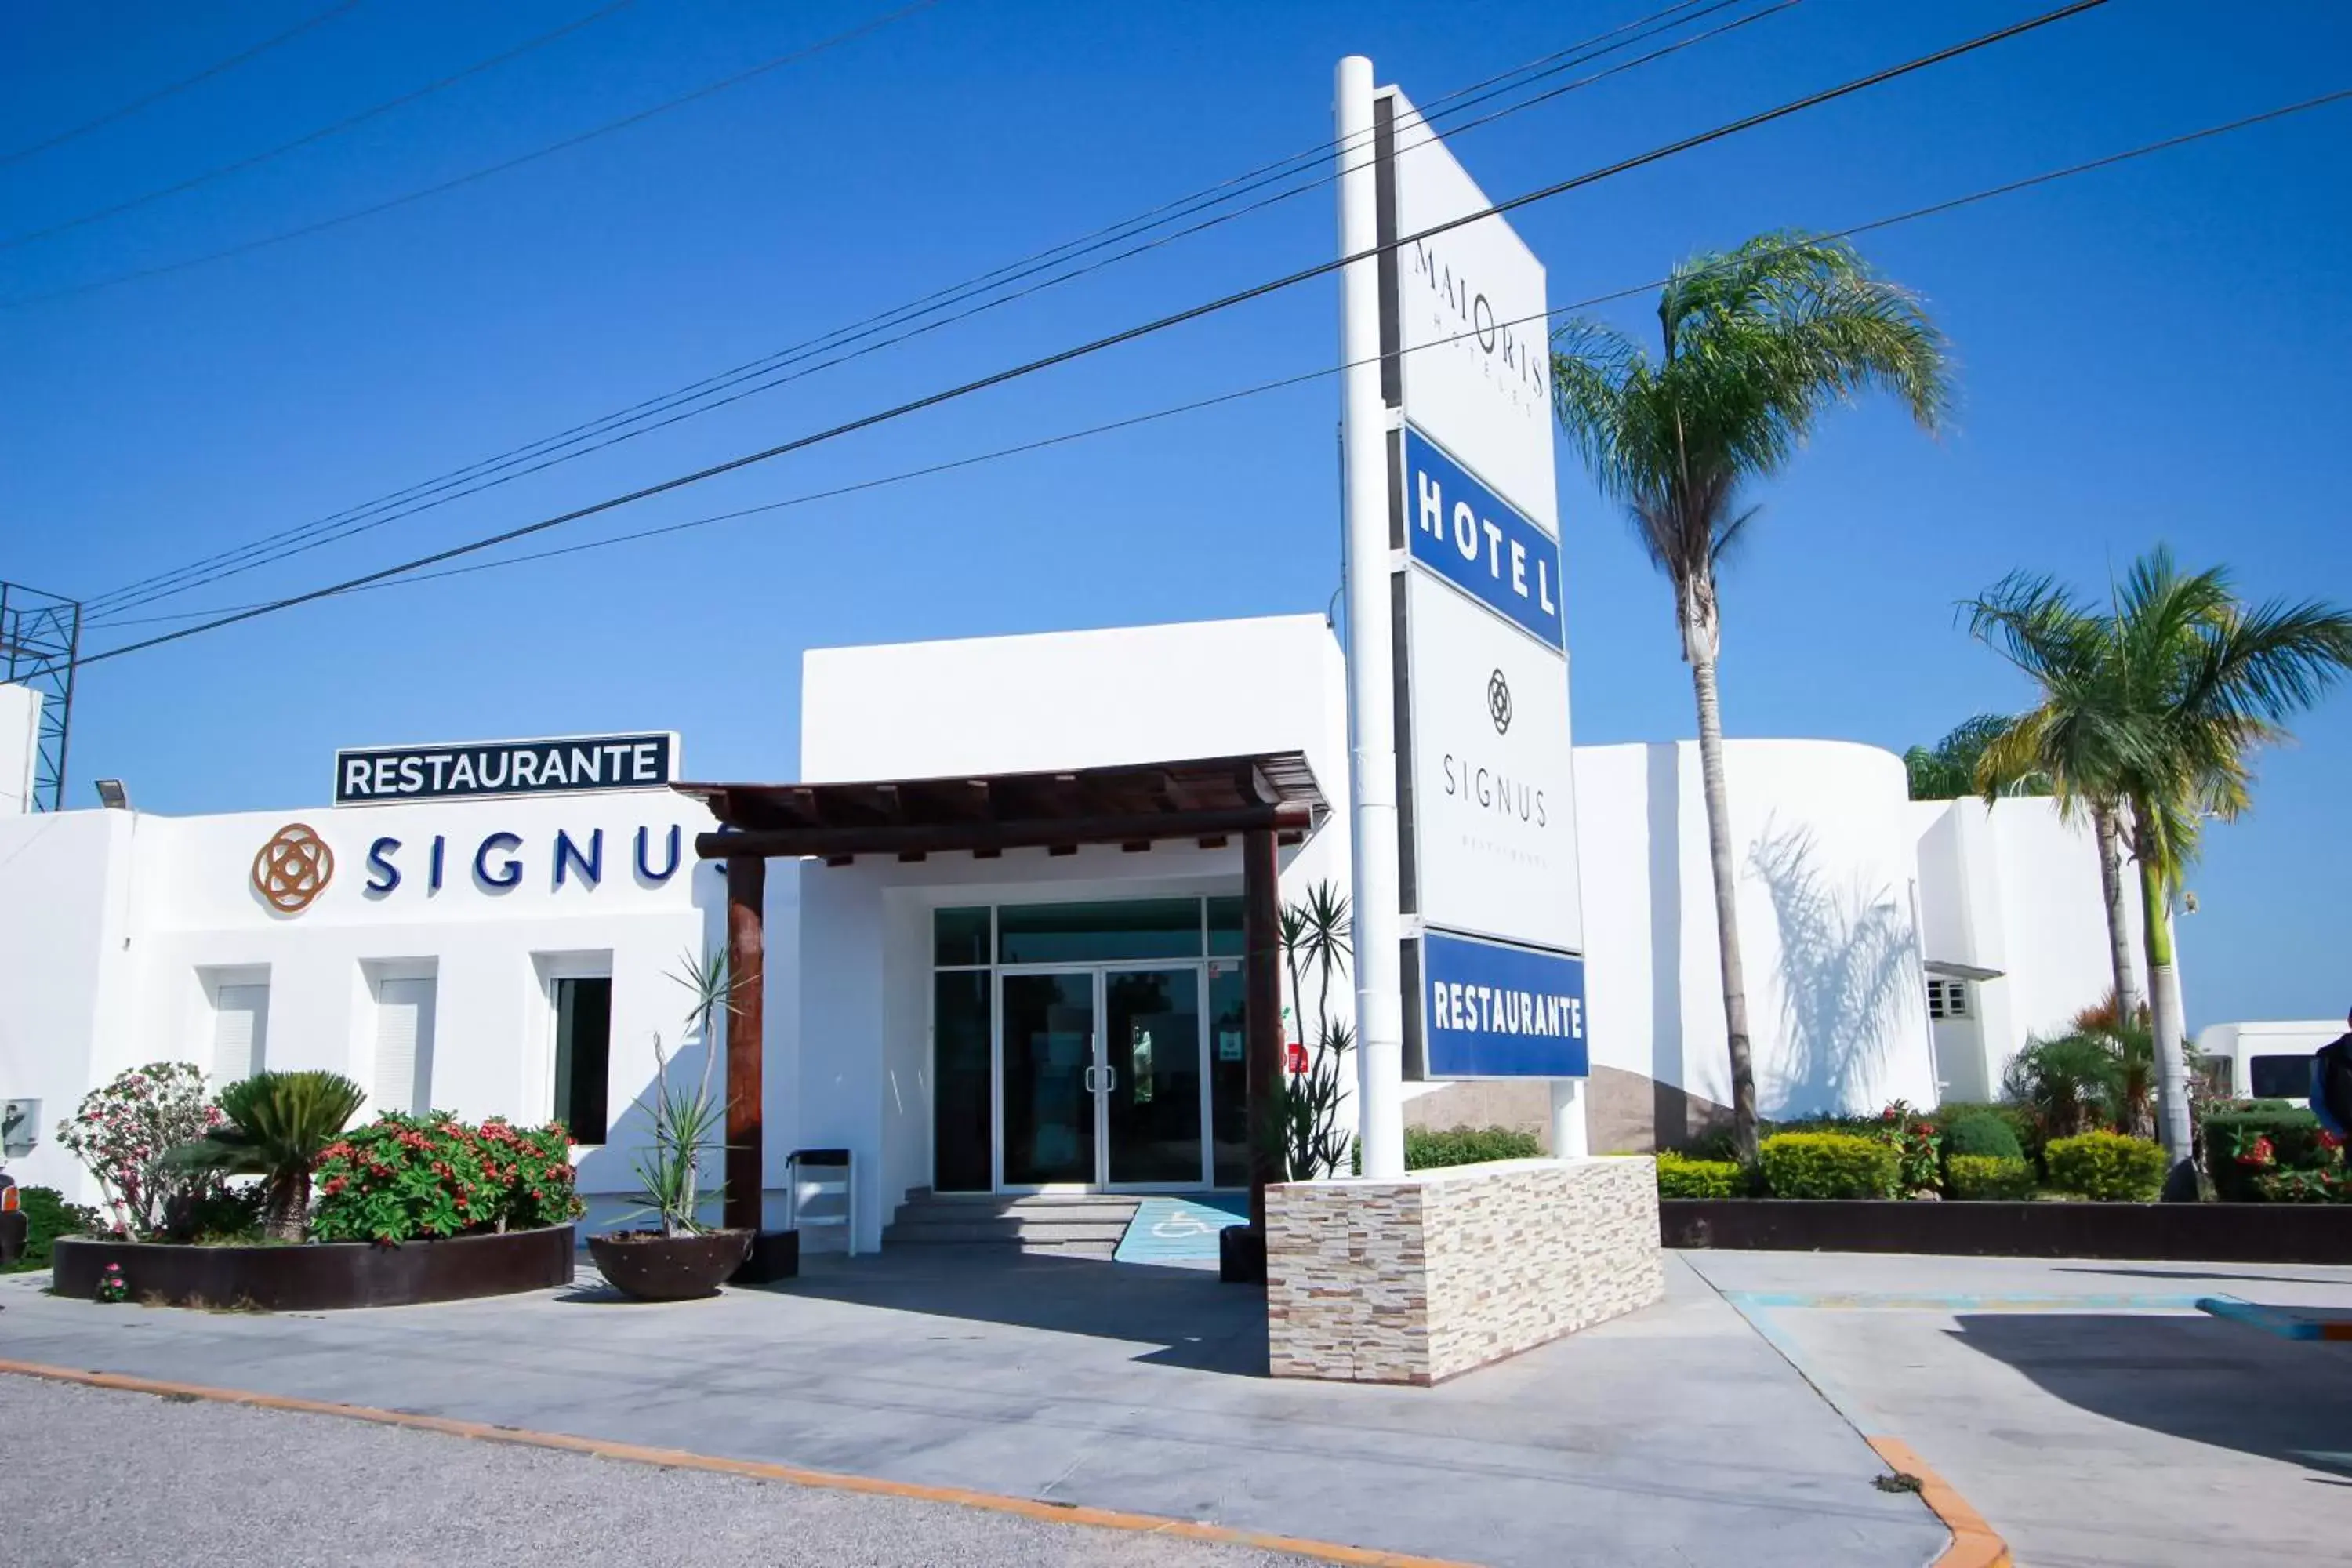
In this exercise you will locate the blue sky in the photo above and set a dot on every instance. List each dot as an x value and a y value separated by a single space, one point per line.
2146 354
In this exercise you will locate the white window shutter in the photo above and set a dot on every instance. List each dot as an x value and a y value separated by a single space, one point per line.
240 1031
404 1047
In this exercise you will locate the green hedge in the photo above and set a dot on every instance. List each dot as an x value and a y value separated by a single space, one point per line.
2106 1167
1427 1147
48 1217
1828 1166
1981 1134
1680 1177
1988 1177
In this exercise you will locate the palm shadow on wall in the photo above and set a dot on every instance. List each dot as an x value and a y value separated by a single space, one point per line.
1847 962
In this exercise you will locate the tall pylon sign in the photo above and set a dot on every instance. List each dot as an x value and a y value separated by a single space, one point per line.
1469 920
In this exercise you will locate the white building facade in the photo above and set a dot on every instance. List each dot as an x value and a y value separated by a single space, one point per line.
939 1017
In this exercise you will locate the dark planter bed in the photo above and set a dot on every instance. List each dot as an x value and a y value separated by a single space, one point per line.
321 1276
2204 1232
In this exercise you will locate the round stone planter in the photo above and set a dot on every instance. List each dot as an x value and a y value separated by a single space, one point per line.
652 1267
320 1276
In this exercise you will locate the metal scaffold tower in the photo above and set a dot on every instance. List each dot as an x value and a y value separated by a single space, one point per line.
40 636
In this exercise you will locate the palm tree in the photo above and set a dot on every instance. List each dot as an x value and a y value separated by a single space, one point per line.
2068 743
1947 770
1756 345
279 1123
2159 702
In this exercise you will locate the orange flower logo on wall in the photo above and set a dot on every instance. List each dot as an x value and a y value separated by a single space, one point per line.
293 868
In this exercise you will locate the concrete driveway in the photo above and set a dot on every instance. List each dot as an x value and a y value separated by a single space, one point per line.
2087 1409
1673 1436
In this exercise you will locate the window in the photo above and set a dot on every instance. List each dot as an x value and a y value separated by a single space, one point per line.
2278 1077
403 1044
963 1114
584 1054
1098 933
1948 998
240 1028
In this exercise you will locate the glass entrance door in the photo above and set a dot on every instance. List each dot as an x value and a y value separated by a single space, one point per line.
1049 1129
1151 1082
1121 1104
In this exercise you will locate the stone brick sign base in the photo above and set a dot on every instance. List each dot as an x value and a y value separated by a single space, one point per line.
1417 1281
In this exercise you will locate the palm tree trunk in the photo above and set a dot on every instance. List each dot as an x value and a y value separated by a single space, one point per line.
2171 1067
1727 909
2109 831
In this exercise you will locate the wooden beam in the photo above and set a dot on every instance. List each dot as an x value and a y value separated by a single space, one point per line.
747 979
1261 1011
885 839
1214 841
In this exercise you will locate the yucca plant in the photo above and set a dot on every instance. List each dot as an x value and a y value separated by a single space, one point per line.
686 1124
1316 933
279 1123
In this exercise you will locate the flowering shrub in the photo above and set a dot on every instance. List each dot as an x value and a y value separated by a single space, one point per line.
112 1286
402 1177
122 1133
1918 1160
2269 1154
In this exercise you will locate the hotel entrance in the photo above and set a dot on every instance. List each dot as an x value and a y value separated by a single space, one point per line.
1102 1050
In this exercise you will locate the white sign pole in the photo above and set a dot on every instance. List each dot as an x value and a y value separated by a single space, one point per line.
1371 681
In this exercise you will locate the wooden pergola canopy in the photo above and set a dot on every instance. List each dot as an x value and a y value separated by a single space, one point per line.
1132 806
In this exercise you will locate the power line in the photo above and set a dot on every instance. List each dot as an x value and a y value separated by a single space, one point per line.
1933 209
338 128
161 93
596 435
608 128
711 402
1143 330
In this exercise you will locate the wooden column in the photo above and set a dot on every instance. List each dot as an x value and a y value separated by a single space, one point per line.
747 966
1262 1021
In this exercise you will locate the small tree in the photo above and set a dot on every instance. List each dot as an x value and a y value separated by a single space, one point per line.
278 1124
122 1132
1316 933
686 1124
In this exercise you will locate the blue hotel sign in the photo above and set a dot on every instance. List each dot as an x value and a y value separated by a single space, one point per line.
1470 536
1487 1010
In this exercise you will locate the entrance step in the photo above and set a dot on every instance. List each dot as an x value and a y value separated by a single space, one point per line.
1072 1225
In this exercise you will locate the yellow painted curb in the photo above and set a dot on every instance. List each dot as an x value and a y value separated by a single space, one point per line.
679 1460
1974 1542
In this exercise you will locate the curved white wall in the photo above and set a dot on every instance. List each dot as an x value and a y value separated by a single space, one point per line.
1823 845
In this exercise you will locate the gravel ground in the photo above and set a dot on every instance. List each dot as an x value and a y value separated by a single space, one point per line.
99 1476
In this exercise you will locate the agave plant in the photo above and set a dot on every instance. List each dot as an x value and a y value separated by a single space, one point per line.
277 1125
686 1124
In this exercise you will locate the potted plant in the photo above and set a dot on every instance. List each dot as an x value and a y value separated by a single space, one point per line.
680 1258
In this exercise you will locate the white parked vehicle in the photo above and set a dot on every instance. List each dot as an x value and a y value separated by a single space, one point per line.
2269 1060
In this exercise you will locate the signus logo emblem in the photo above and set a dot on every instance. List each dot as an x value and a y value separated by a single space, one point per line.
293 868
1499 702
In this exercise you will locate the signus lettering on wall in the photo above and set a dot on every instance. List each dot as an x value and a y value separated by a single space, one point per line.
472 769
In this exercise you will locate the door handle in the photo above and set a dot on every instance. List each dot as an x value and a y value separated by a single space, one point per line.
1088 1080
1110 1079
